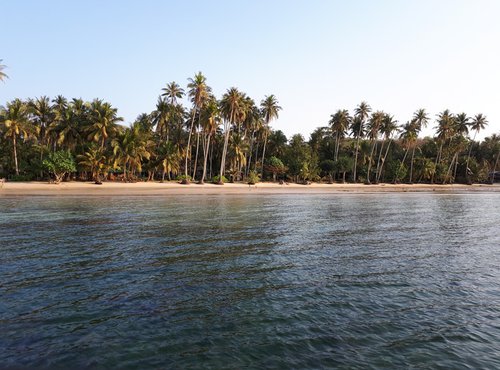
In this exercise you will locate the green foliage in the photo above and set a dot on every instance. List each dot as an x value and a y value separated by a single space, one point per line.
59 164
184 178
21 178
253 178
216 179
397 171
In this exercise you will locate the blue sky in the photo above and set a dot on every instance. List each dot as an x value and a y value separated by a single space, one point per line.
315 56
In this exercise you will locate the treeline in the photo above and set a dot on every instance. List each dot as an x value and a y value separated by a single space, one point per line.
230 139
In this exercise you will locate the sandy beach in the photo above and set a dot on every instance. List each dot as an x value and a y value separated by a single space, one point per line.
174 188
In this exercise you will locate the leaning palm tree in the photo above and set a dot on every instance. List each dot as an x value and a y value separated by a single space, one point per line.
478 123
361 113
389 127
419 121
3 76
199 92
14 118
270 110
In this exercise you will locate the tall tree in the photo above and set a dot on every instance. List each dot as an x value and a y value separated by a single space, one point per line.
103 122
270 111
478 123
17 125
172 92
361 114
231 107
198 92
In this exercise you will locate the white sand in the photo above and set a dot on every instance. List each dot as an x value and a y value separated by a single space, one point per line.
174 188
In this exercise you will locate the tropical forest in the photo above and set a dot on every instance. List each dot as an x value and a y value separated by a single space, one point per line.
230 139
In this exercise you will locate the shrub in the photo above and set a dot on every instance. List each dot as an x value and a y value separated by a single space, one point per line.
59 164
216 179
253 178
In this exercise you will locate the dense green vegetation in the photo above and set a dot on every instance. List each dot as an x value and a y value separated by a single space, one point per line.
230 138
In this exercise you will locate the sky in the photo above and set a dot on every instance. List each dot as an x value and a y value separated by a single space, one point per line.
314 56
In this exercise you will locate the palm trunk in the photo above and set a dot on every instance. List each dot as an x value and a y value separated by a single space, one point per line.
468 158
188 149
14 144
227 128
355 161
196 156
263 155
438 158
411 164
383 161
205 159
378 160
370 162
250 155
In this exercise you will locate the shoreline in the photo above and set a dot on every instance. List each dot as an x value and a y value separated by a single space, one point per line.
174 188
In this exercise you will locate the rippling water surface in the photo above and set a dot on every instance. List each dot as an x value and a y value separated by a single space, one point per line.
283 281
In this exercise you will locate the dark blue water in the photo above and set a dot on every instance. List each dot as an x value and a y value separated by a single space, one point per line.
286 281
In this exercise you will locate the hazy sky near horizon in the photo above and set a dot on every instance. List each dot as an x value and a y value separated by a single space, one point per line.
315 56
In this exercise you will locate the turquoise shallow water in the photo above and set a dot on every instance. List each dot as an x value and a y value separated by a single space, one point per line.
285 281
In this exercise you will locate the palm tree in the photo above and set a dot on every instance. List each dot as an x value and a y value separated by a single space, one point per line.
3 76
339 123
419 121
374 126
199 92
270 110
95 161
408 137
173 92
230 107
444 132
210 118
130 149
389 126
478 123
16 123
103 121
361 113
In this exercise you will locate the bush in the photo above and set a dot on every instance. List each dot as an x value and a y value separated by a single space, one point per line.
253 178
216 179
184 179
59 164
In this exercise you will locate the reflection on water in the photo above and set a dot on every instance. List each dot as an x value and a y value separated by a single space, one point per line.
284 281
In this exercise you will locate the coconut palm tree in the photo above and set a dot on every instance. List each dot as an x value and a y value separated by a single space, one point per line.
172 92
339 123
270 111
94 161
15 120
231 106
103 122
419 121
374 125
198 92
210 120
444 132
361 114
3 76
389 127
130 149
478 123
